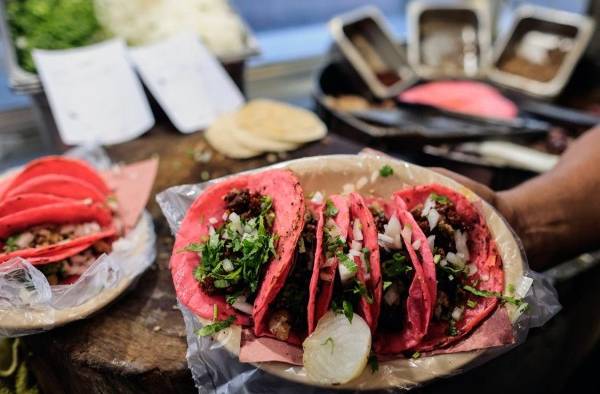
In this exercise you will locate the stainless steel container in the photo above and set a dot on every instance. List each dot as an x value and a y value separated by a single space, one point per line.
366 42
448 40
540 50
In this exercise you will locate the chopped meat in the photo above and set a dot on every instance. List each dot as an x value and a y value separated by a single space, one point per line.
244 203
279 324
379 217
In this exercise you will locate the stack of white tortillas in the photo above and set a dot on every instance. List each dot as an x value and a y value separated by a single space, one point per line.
264 126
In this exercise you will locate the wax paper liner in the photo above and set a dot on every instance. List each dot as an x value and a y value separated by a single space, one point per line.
216 369
29 304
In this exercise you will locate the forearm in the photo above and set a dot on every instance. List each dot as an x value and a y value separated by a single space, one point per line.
558 214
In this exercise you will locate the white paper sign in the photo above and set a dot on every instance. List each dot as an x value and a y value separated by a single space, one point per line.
187 81
94 93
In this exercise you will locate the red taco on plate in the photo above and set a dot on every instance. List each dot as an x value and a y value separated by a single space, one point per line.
468 269
406 303
235 246
350 277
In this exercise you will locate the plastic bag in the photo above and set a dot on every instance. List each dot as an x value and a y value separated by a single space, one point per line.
28 304
216 369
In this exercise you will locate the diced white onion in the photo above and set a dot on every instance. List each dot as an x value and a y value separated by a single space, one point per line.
393 227
460 239
345 274
213 220
523 287
228 265
407 234
236 223
225 216
24 240
455 260
355 252
325 276
362 182
429 204
367 276
431 241
443 262
485 277
385 239
457 313
356 231
417 244
317 198
433 218
356 245
241 305
211 230
391 295
397 241
472 269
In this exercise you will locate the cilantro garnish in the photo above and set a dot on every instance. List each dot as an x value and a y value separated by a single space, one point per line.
347 262
471 304
329 340
416 355
386 171
361 289
215 327
437 258
386 284
348 310
452 331
248 251
511 288
10 245
330 209
437 198
487 294
373 363
396 266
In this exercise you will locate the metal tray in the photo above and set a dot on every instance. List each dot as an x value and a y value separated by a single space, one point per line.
445 14
366 43
529 18
25 82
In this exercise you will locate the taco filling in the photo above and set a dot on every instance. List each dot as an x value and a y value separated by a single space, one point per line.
349 287
234 255
46 235
396 270
290 306
447 235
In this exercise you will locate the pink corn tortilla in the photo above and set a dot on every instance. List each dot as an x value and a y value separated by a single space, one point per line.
288 202
27 201
58 185
483 254
321 291
58 165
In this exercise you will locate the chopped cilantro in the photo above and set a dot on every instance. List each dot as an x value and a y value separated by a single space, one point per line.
329 340
373 363
386 171
347 262
437 258
248 251
348 310
215 327
511 288
416 355
330 209
452 331
232 298
437 198
471 304
396 266
487 294
10 245
386 284
360 288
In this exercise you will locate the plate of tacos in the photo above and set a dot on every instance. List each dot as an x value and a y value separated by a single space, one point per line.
346 271
72 238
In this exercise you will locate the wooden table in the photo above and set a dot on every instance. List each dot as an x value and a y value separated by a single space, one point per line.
138 344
